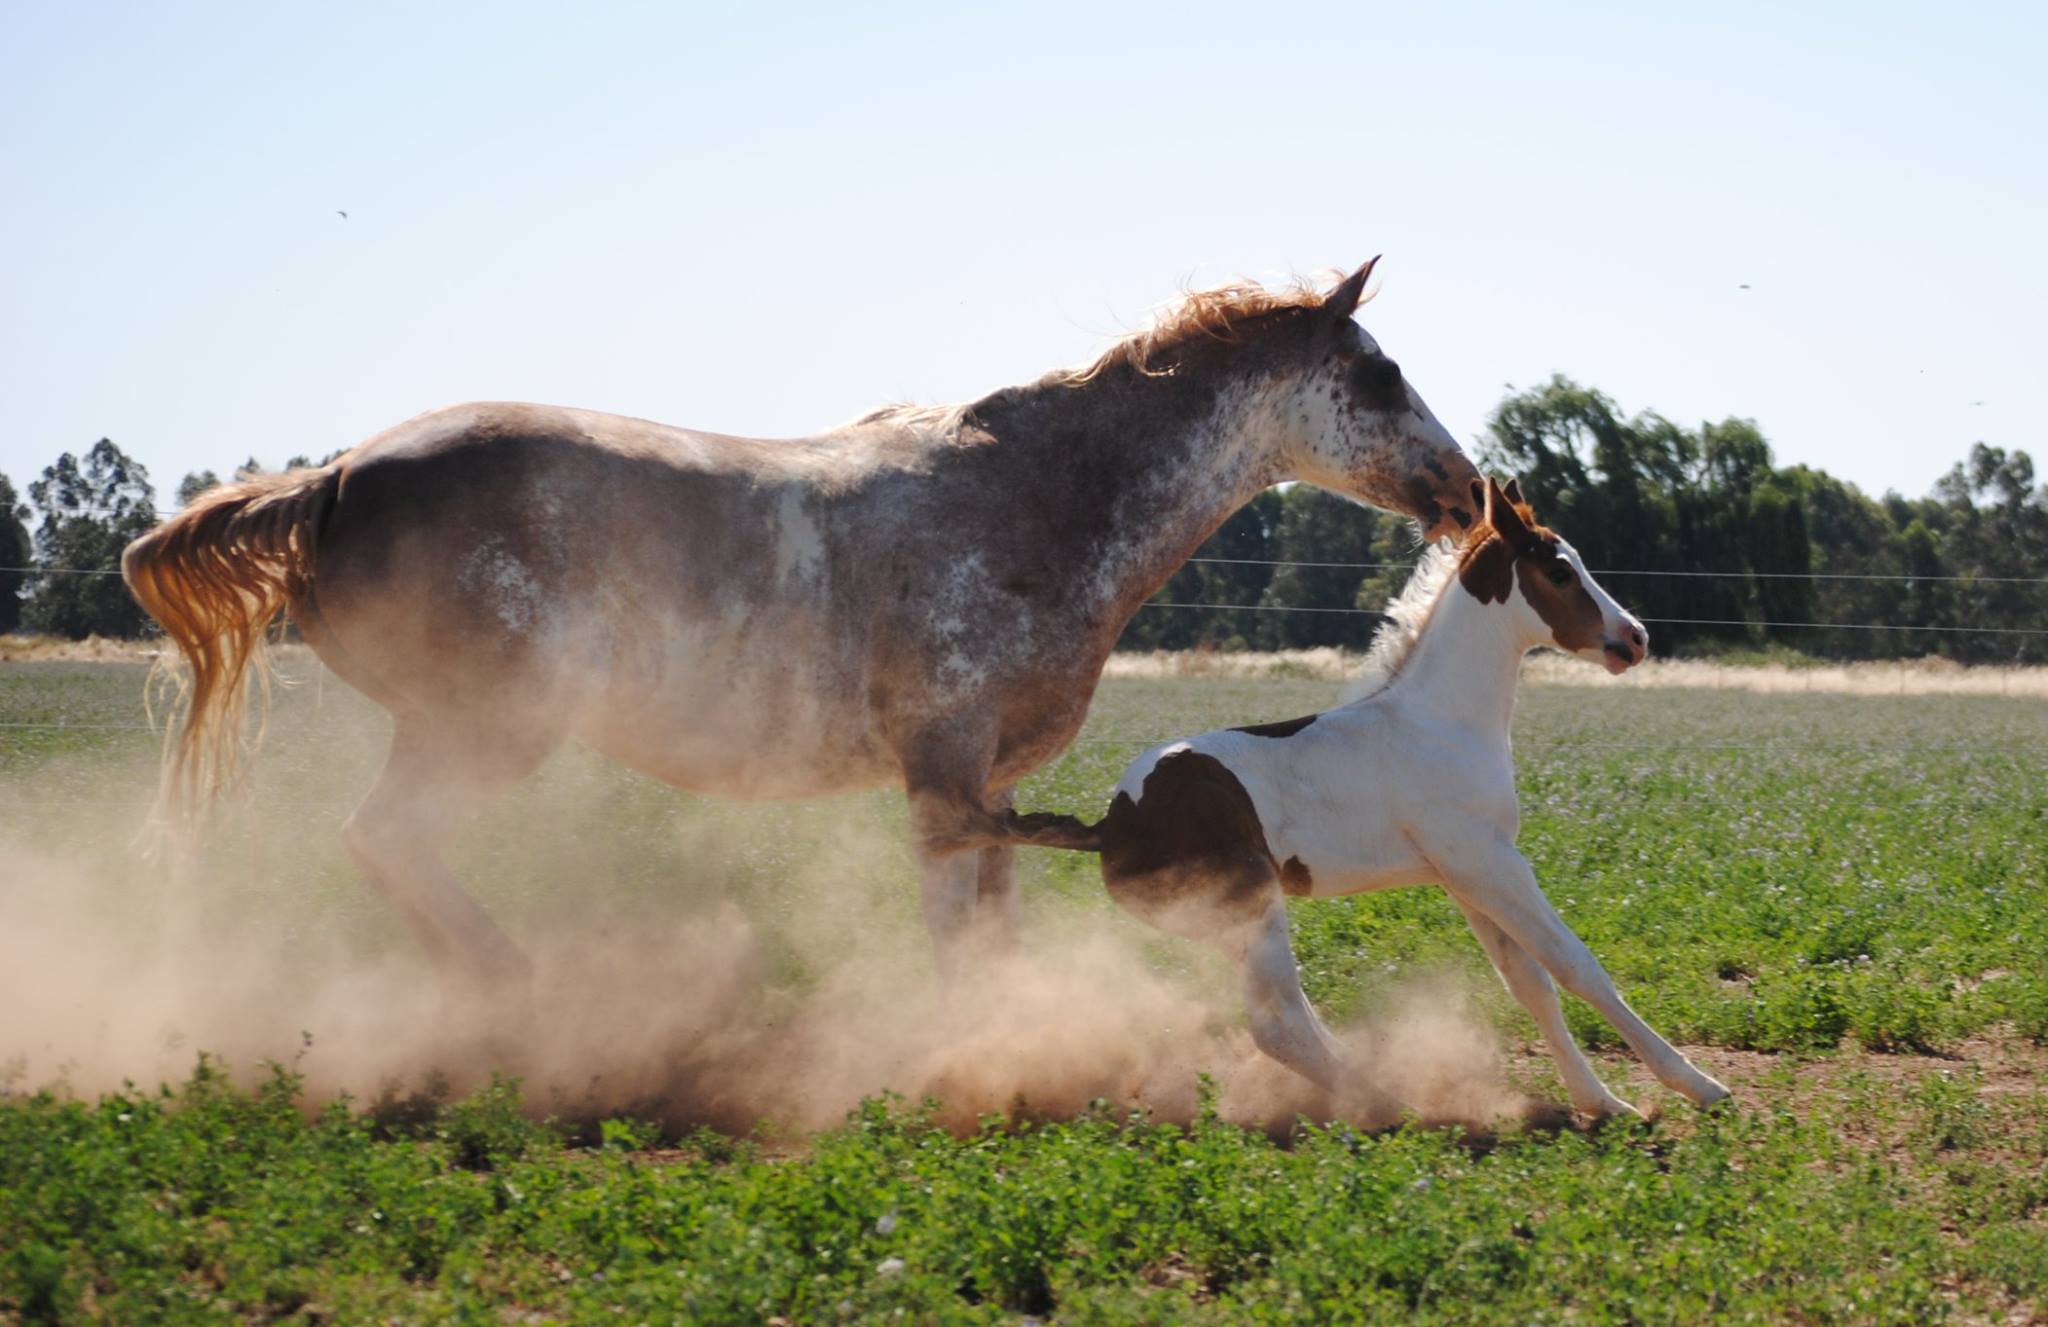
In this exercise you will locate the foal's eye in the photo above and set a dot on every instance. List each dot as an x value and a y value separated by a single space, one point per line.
1560 573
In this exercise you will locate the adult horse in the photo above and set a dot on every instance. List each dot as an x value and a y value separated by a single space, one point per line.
924 597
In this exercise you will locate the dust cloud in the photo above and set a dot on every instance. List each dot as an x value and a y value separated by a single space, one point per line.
691 1016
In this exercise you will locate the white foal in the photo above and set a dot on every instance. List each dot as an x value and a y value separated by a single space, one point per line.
1409 782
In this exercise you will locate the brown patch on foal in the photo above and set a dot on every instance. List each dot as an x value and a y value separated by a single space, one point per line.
1511 545
1190 852
1565 606
1487 568
1284 728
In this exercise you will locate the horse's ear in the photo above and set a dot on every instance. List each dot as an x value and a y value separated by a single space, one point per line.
1512 490
1341 303
1502 516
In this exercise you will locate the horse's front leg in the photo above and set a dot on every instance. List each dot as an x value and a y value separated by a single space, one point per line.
1484 872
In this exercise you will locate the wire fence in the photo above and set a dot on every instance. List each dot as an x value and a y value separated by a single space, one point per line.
1129 740
1658 621
1626 571
1666 621
1908 577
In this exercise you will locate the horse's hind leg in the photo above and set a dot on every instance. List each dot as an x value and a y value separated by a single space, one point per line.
945 773
998 909
438 774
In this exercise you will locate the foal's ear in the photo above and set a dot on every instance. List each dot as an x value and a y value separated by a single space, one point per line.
1342 302
1513 491
1502 516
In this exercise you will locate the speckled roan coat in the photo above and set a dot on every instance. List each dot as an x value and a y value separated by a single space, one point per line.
924 597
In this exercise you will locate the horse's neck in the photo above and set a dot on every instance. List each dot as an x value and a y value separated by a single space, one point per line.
1178 507
1165 460
1464 666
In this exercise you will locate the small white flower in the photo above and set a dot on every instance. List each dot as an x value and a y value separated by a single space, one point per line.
889 1267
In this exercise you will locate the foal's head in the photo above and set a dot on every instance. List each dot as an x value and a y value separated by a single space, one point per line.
1509 558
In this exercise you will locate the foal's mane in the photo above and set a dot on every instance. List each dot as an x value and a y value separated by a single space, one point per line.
1407 614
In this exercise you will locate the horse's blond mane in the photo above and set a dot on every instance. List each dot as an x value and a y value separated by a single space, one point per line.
1227 315
1407 614
1221 314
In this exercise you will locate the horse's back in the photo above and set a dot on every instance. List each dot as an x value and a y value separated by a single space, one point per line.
670 596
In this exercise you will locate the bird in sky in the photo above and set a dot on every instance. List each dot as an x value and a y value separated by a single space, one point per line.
343 215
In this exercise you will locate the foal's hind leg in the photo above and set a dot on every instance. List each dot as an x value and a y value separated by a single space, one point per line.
1284 1024
438 774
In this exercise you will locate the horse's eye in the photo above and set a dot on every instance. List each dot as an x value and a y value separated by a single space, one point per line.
1377 381
1560 573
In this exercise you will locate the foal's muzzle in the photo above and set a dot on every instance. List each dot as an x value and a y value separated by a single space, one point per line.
1626 651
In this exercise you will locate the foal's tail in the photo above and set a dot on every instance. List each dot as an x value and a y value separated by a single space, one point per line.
214 577
1042 829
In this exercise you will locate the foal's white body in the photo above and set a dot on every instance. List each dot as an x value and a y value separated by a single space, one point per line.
1413 783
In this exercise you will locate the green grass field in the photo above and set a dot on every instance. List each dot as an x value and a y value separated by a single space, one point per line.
1838 903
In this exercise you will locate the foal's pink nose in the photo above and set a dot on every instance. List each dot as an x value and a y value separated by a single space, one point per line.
1629 649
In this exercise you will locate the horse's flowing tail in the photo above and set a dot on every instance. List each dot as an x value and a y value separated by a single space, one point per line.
1043 829
214 577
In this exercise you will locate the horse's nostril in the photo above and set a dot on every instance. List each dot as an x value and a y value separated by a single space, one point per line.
1636 634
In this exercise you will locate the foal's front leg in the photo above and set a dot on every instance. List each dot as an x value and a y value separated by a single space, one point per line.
1483 872
1531 986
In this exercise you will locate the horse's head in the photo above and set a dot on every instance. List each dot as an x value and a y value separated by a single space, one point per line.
1365 433
1509 558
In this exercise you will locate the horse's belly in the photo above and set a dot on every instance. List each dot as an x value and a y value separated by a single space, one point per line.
741 721
736 759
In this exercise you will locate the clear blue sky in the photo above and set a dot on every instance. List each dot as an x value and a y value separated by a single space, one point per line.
765 220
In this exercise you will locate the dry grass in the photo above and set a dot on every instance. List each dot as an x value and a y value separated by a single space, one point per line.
1912 677
93 649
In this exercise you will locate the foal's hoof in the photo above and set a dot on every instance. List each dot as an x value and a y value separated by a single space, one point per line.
1709 1091
1612 1107
1721 1102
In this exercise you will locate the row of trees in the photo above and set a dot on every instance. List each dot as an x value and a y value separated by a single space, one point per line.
60 551
1696 530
